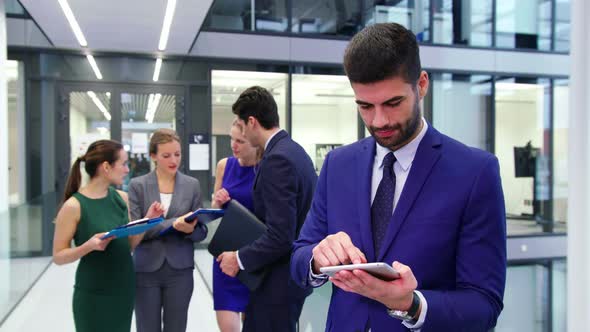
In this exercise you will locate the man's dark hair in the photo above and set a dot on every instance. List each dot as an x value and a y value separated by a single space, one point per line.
257 102
382 51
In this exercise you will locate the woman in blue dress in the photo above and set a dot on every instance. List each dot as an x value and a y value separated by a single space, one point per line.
234 179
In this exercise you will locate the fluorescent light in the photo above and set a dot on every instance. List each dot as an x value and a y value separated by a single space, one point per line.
73 23
167 23
99 104
157 70
94 66
153 102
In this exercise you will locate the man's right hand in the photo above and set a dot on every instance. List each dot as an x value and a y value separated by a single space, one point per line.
336 249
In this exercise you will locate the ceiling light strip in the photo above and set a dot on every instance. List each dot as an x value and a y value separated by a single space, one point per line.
153 102
157 69
73 23
99 104
170 7
94 66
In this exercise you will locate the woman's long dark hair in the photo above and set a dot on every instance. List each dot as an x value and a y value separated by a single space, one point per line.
97 153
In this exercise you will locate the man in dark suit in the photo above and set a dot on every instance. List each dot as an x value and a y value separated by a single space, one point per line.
282 193
408 196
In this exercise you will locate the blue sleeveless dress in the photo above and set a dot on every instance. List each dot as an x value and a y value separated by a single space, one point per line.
229 293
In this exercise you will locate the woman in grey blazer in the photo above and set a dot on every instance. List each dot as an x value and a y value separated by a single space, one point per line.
164 264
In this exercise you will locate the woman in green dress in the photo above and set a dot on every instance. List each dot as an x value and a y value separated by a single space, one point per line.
105 280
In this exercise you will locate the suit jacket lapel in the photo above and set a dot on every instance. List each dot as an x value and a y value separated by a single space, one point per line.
153 190
427 155
364 164
176 195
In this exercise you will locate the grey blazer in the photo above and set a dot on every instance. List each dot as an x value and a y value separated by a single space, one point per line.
177 249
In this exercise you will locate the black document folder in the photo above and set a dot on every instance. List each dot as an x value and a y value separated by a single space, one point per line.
238 228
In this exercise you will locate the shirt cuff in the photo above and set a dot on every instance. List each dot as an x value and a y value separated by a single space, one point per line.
239 261
316 280
416 327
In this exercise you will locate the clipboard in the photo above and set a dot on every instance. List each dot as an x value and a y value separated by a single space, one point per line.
238 228
205 216
133 228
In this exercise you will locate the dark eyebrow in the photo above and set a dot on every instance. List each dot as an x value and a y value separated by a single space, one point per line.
395 99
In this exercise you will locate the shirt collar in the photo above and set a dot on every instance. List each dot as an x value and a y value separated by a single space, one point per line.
270 138
405 155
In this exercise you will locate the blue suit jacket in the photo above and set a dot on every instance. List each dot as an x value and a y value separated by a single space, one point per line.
282 194
449 227
177 249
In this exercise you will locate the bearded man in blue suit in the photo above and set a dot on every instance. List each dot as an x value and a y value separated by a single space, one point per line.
409 196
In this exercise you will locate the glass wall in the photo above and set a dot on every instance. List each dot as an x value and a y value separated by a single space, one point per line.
326 17
522 142
248 15
525 24
324 114
463 107
560 150
561 37
141 115
413 15
20 226
226 87
463 22
526 299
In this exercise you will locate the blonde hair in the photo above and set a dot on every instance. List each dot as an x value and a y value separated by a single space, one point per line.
162 136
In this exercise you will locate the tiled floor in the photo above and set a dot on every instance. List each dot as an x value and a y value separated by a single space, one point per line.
47 306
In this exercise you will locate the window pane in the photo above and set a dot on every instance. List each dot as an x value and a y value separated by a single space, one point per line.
326 17
90 120
523 24
559 295
267 15
411 14
463 22
522 147
324 114
141 115
562 25
560 150
227 85
464 97
526 303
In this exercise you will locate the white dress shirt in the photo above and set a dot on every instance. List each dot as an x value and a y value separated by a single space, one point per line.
405 156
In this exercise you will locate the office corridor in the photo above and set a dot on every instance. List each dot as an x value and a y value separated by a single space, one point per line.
48 305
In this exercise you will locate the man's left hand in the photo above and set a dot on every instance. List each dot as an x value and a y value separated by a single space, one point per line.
228 262
396 294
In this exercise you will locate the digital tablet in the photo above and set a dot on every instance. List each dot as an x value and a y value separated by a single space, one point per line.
380 270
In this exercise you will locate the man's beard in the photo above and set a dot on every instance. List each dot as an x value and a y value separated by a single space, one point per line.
406 130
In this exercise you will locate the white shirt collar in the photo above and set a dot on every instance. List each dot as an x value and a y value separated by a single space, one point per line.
270 138
405 155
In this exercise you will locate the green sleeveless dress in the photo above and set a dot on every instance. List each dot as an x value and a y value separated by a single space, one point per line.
104 291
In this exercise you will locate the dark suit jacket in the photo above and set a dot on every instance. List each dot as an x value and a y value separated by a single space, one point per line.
177 249
283 189
449 227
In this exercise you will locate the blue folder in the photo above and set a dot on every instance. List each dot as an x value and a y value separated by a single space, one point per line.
205 216
133 228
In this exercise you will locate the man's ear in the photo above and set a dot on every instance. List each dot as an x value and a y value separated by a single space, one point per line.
423 83
252 120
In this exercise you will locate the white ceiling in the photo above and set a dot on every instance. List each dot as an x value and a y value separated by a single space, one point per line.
127 25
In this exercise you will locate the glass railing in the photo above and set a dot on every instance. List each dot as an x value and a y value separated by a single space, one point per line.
532 24
21 251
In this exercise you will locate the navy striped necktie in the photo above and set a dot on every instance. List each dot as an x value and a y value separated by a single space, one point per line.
382 207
